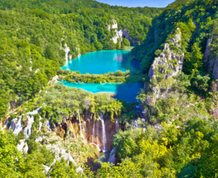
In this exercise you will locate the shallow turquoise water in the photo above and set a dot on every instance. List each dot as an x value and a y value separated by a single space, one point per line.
125 91
105 61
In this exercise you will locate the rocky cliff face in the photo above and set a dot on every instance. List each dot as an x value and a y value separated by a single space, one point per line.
167 65
119 34
210 57
99 133
170 62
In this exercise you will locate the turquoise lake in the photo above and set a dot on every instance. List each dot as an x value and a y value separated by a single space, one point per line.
102 62
124 91
106 61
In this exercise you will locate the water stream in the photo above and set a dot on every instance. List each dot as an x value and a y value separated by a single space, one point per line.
27 130
97 132
66 50
80 126
117 126
104 138
18 127
112 156
6 124
93 132
12 126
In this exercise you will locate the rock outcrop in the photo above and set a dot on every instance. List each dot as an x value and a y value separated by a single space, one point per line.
119 34
91 130
169 63
164 67
210 58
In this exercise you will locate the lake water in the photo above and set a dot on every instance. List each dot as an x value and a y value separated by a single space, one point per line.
106 61
102 62
124 91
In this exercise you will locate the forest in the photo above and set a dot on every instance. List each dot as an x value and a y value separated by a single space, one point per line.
177 128
34 34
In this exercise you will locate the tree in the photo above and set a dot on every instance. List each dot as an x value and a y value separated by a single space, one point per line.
126 42
200 83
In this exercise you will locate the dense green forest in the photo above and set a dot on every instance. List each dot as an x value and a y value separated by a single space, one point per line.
176 135
197 21
33 35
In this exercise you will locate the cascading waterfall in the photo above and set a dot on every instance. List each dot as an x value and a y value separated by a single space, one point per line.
85 126
36 111
18 126
80 126
6 124
112 156
22 146
40 126
117 126
12 124
66 50
93 132
96 146
47 124
104 138
97 131
27 130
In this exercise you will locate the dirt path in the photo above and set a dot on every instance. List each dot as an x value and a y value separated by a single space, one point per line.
189 105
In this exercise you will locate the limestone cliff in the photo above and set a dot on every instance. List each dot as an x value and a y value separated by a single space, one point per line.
170 62
210 57
167 65
93 131
119 34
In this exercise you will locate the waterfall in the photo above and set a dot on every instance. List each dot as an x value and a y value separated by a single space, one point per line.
112 156
96 146
40 126
36 111
104 138
27 130
117 126
97 132
66 50
47 124
22 147
6 124
80 126
18 126
93 132
12 124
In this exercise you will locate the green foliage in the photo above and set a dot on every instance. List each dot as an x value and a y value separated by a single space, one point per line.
33 35
197 21
117 77
126 42
200 83
63 102
170 152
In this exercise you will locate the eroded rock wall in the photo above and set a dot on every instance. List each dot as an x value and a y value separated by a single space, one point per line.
168 64
91 130
210 57
119 34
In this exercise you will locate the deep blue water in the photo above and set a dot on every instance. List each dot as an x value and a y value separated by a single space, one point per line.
106 61
101 62
124 91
